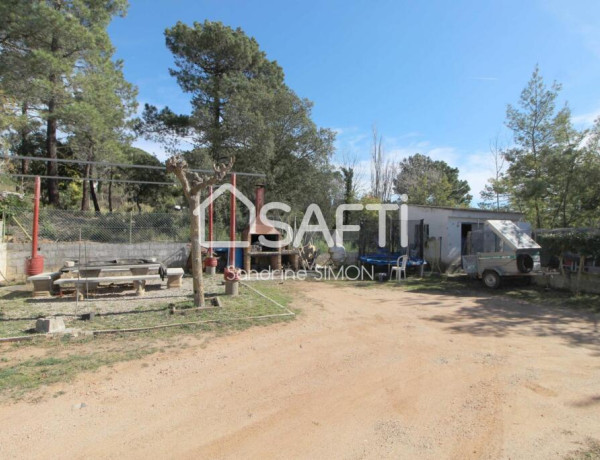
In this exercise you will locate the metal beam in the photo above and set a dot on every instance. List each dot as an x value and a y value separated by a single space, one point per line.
116 165
122 181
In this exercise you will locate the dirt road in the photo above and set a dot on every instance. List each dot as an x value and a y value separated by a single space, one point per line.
362 373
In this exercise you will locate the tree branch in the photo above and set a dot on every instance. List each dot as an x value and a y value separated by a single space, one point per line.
194 184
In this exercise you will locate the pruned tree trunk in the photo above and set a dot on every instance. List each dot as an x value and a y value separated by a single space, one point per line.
192 185
194 204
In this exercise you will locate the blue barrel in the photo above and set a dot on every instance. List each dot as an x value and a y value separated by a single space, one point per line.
239 257
224 252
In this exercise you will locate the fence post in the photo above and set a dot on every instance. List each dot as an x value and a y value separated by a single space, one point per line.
130 225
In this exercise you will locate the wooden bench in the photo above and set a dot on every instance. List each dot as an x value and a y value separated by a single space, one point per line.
174 276
43 283
139 282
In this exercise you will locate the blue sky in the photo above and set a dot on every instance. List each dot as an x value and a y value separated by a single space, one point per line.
433 76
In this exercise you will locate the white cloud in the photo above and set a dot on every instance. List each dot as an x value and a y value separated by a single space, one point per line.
586 119
351 142
448 154
476 168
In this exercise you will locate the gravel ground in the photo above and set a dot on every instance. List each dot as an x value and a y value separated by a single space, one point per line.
105 300
120 308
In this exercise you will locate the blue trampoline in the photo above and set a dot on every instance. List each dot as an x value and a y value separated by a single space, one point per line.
388 260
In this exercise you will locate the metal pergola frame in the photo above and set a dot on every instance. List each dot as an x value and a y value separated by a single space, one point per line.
104 164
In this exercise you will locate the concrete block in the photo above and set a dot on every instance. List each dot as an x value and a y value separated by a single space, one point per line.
174 276
42 284
50 325
232 288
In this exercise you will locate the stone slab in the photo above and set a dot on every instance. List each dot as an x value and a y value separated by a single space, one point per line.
50 325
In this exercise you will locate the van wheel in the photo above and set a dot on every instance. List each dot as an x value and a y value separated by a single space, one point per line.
491 279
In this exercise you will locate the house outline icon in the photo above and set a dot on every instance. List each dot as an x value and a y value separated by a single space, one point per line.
200 213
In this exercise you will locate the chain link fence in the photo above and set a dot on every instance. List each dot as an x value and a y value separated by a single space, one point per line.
57 225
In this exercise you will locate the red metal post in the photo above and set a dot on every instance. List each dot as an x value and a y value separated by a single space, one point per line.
232 223
36 216
210 222
34 265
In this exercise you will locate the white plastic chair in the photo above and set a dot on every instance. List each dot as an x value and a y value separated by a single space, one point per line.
400 267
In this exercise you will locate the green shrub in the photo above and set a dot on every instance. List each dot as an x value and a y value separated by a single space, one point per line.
13 205
582 243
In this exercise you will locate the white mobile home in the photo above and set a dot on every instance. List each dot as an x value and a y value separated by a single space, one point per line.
445 230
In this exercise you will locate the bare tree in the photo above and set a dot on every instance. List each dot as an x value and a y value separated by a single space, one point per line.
496 190
376 162
388 179
193 184
499 160
383 172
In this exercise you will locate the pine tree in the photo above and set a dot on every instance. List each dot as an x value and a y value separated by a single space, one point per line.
45 44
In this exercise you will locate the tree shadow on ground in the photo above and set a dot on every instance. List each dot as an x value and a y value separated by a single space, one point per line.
15 295
497 316
588 401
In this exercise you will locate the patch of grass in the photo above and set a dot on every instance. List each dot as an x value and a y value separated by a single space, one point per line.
19 317
27 375
12 328
16 316
591 451
16 298
65 357
233 310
